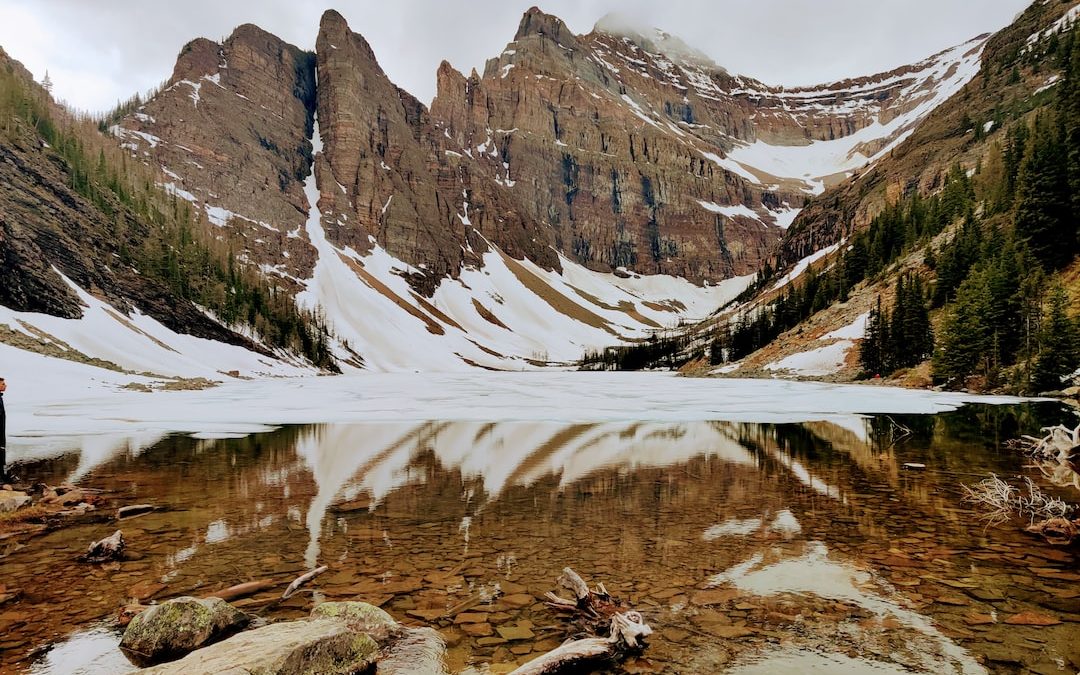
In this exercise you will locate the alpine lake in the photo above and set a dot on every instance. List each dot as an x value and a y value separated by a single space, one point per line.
748 548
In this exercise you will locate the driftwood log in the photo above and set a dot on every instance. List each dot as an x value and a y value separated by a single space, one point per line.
301 580
243 590
616 630
626 633
134 510
109 548
592 607
1056 531
248 588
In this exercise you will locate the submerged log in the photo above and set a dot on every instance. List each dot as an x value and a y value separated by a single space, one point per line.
134 510
109 548
243 590
626 634
1056 531
301 580
619 631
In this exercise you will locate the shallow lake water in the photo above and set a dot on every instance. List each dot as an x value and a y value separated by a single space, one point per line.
749 548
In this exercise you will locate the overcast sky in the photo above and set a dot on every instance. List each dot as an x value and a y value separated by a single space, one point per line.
99 51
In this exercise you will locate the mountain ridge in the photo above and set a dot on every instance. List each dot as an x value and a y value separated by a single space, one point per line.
902 216
582 175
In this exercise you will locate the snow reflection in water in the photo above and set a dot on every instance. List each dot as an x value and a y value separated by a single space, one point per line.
374 460
816 573
792 518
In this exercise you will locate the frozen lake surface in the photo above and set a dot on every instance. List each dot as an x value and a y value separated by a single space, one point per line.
46 416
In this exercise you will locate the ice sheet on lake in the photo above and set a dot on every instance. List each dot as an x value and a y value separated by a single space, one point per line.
67 404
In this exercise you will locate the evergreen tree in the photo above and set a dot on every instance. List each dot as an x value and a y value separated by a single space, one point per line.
872 352
1043 200
956 259
1069 107
912 338
1014 154
966 345
1058 344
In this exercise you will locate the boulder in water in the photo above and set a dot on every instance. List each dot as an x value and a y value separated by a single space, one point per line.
13 500
360 617
324 646
177 627
417 651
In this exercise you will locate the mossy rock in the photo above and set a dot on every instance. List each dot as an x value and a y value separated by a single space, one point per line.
177 627
317 647
359 616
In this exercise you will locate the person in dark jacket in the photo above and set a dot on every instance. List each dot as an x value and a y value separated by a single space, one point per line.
3 433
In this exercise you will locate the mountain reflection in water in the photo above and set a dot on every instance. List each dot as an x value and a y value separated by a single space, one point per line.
750 548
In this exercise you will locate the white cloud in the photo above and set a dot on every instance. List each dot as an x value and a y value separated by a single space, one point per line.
98 52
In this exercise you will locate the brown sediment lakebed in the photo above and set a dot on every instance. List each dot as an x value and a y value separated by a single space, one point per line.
741 544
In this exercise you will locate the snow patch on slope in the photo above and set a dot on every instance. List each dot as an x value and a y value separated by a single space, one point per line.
818 362
505 314
856 330
730 211
137 343
946 73
803 264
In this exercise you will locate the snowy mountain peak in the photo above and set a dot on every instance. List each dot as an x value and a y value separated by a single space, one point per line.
582 191
654 40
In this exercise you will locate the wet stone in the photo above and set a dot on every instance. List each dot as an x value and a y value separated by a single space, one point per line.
714 597
518 632
477 629
986 594
1032 619
428 615
471 617
174 628
145 590
674 634
518 600
976 619
1067 605
728 632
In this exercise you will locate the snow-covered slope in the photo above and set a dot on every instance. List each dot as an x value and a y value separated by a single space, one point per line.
922 88
706 169
107 346
504 314
804 137
507 315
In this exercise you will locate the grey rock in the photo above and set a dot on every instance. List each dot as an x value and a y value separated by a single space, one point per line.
13 500
323 646
419 651
177 627
360 617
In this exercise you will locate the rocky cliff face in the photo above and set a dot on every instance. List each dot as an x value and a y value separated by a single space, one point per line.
64 288
615 149
582 190
230 132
